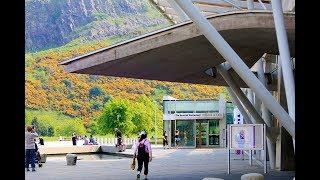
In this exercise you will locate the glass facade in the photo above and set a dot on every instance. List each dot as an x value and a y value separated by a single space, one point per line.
186 132
214 132
229 112
198 130
202 133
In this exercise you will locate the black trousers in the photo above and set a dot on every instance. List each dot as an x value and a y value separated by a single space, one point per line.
143 160
165 142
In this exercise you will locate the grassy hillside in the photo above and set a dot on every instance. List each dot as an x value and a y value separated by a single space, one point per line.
49 88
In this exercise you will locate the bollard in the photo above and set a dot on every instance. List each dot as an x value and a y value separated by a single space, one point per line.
252 176
71 159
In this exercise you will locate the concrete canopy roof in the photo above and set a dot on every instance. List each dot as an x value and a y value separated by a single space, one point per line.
181 53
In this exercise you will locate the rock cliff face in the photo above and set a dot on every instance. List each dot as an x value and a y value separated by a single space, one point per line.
52 23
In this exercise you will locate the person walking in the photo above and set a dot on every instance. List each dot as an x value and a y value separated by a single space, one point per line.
30 148
143 153
165 139
74 139
176 138
118 135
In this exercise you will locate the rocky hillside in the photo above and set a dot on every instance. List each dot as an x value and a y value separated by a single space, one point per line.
53 23
76 27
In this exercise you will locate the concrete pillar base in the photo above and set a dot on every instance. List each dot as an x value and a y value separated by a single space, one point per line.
252 176
71 159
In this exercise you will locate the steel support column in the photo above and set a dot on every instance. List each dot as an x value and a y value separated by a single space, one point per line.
282 78
266 116
286 65
236 101
237 64
251 99
242 97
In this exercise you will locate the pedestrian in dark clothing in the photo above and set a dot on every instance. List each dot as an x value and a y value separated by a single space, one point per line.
74 139
165 139
41 142
118 135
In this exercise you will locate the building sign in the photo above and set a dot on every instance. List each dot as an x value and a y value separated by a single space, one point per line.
246 136
192 116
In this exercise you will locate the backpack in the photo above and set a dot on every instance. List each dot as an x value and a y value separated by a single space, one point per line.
141 149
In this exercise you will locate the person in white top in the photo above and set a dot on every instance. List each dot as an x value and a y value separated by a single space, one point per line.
30 148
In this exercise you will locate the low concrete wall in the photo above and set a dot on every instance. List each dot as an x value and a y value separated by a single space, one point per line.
79 149
69 149
109 149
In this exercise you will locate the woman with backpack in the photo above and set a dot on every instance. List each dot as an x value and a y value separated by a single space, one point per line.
143 152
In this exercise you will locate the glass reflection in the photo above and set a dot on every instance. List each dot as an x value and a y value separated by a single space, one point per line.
186 132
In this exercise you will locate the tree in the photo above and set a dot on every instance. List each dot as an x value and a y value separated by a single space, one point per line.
35 122
116 114
50 131
95 91
39 126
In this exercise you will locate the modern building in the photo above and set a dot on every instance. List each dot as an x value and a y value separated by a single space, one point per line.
239 50
200 123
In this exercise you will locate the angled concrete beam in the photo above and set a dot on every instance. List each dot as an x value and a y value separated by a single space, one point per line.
267 119
237 64
271 134
236 101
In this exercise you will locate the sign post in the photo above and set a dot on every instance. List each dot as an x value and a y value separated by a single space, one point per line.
247 137
265 148
228 131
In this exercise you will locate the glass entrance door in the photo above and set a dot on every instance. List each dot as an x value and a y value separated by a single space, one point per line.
202 134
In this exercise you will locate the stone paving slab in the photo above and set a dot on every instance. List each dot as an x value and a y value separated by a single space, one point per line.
167 164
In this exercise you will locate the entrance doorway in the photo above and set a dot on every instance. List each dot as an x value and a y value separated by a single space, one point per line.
202 134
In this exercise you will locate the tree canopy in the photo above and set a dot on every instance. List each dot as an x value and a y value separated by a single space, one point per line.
130 117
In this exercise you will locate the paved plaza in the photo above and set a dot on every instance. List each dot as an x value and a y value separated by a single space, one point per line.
167 164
